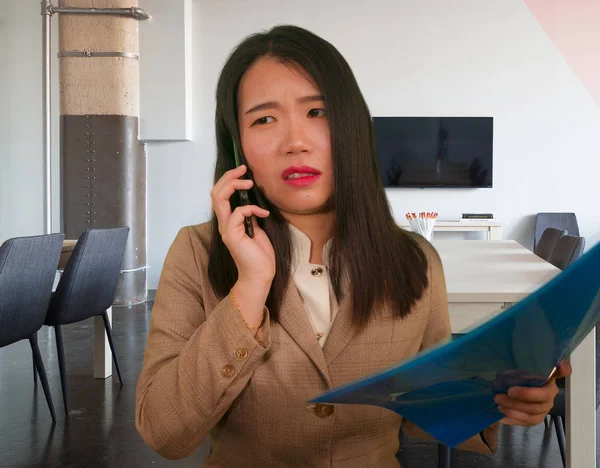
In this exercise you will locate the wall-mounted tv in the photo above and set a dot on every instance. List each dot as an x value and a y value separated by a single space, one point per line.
435 151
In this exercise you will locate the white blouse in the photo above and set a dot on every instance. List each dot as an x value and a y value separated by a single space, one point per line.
313 284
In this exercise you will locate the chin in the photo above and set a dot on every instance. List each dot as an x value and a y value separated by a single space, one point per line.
306 208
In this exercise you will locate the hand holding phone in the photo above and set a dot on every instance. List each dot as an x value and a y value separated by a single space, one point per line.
254 257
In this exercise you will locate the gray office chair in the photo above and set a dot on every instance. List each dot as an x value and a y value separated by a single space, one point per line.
543 221
87 288
27 270
548 242
567 250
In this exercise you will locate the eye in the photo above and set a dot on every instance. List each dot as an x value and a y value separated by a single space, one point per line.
263 120
316 112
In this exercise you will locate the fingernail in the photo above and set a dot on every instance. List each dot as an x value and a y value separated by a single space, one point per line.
511 393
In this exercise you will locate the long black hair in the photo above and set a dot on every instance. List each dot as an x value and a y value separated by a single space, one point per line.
382 263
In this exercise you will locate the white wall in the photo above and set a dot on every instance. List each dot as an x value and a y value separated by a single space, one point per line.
431 57
21 155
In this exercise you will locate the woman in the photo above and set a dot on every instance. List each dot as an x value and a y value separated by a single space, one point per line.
245 330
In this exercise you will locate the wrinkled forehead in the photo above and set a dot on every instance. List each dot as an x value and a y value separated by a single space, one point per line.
271 79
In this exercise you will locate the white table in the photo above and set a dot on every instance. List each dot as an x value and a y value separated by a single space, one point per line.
492 227
486 277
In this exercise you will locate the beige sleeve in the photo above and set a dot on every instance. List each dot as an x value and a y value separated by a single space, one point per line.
438 329
194 366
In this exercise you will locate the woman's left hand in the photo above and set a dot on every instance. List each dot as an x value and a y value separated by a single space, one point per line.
528 406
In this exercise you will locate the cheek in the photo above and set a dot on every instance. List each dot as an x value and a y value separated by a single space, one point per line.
260 156
322 142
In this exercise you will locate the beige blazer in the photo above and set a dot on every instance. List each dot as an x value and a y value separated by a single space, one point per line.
205 373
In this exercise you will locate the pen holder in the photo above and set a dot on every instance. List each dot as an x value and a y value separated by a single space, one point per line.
422 223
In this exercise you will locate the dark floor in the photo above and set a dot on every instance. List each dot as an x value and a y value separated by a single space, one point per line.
100 430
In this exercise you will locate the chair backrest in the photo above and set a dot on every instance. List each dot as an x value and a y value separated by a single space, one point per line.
27 271
548 242
567 250
543 221
89 283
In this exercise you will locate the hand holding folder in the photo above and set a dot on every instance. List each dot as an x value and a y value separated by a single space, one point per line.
526 406
449 389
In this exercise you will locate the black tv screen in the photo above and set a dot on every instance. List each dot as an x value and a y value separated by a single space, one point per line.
435 151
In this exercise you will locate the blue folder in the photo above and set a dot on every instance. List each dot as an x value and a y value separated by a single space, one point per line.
448 390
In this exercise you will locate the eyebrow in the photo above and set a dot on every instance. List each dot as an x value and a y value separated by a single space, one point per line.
276 105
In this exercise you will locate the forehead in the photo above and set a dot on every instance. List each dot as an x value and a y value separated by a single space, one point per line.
269 78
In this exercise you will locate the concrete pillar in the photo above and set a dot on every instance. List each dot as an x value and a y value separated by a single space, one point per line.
103 164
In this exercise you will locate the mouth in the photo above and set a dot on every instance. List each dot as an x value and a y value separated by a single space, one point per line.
300 176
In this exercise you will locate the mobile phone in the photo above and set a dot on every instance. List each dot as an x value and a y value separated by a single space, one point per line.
244 198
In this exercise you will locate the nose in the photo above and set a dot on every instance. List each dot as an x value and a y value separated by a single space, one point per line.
295 140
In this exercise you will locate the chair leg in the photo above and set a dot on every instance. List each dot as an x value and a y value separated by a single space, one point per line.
560 435
62 365
39 364
112 344
34 336
443 456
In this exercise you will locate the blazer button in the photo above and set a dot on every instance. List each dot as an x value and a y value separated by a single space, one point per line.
323 411
241 354
228 371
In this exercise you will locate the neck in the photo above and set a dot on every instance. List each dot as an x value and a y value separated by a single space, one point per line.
317 227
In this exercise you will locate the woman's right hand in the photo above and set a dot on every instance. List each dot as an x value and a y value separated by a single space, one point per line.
254 257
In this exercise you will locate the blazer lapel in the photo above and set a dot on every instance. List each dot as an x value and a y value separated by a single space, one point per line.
342 329
292 317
